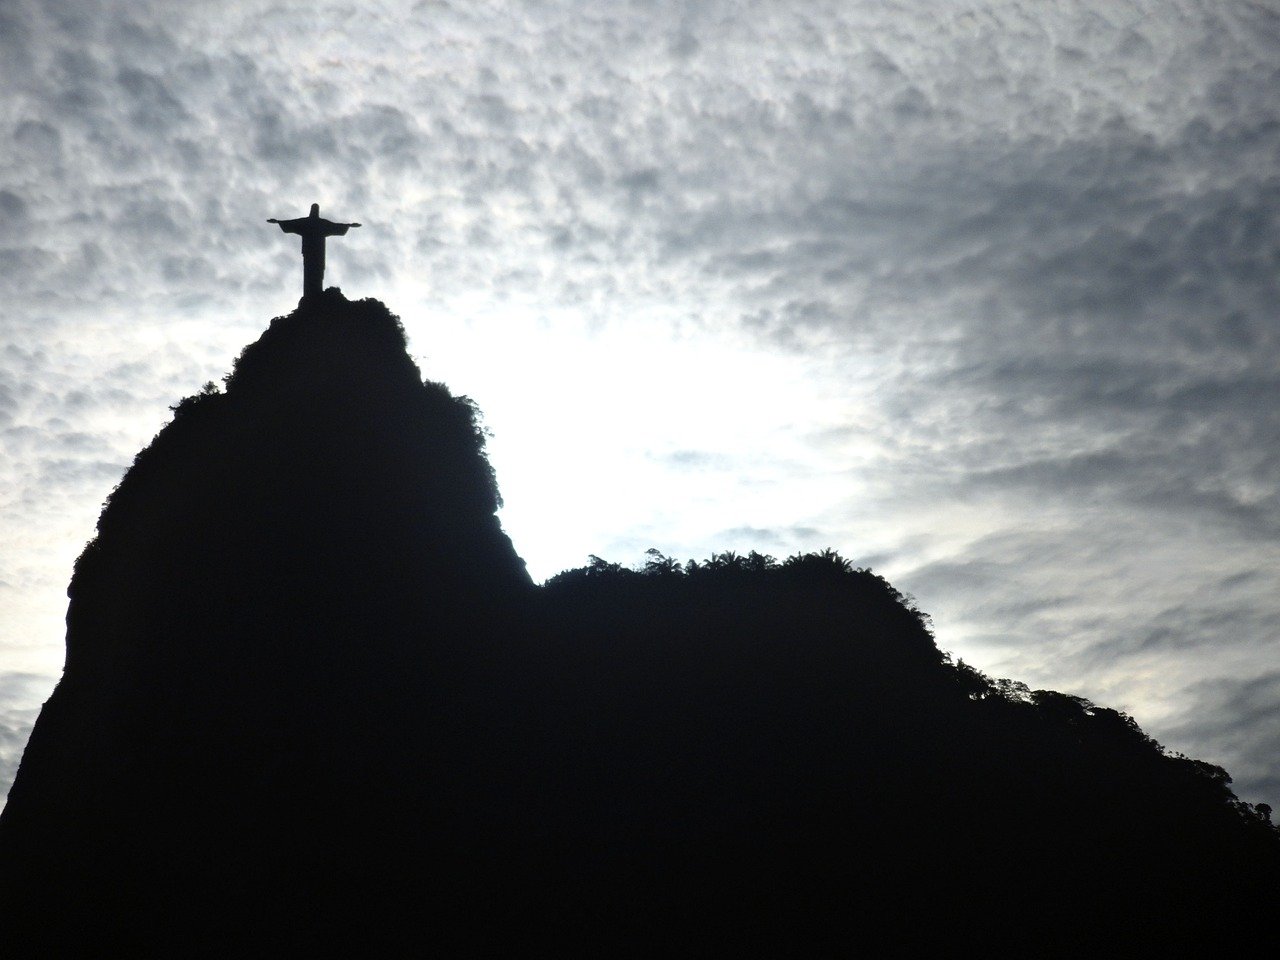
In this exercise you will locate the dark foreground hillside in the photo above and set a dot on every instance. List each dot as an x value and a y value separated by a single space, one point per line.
313 706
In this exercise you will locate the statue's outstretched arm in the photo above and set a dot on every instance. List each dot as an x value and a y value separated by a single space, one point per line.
331 229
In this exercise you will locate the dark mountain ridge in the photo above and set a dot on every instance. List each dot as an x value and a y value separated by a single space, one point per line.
313 704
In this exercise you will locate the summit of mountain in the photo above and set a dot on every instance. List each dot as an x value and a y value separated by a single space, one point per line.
314 705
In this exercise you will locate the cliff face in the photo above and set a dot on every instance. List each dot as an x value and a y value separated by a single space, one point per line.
313 705
259 638
327 470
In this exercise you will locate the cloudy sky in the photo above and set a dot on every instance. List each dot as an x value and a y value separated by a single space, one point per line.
983 295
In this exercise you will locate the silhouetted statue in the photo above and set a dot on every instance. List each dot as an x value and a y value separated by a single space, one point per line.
313 230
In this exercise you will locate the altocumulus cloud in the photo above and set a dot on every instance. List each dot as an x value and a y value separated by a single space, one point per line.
1026 255
1237 717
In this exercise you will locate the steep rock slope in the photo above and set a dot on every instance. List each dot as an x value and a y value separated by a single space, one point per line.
271 618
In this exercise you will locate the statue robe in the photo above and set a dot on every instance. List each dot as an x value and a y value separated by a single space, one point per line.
313 230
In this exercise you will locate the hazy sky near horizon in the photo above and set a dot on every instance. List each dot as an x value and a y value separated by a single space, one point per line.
982 295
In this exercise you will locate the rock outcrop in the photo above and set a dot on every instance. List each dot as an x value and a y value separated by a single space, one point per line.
313 705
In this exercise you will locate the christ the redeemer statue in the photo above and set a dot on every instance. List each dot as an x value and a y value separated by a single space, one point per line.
313 230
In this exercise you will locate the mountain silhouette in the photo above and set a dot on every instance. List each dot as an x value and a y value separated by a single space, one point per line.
314 705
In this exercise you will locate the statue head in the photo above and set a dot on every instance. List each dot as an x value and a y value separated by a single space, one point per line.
315 210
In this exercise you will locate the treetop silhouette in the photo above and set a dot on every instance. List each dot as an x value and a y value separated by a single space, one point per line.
314 229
